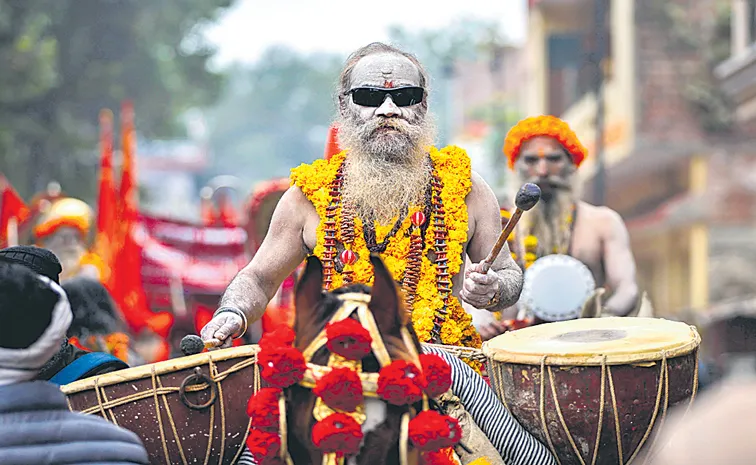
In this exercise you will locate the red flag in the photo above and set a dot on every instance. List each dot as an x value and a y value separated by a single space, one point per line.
129 292
13 208
106 201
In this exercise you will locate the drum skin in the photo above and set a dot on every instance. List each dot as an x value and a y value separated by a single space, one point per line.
571 375
128 398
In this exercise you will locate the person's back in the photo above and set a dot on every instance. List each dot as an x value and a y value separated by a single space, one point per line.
36 426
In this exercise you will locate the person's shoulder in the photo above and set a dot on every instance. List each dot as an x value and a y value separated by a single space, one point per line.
605 218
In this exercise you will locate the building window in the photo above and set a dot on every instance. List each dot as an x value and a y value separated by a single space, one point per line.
752 20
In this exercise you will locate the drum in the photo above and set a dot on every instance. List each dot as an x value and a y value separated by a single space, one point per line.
595 390
186 410
556 286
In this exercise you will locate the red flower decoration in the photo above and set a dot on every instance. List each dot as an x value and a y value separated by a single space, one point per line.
262 408
438 457
264 447
282 366
430 430
341 389
400 383
437 374
283 336
337 433
348 338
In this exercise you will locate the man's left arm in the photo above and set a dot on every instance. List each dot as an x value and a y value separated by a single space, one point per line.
619 266
501 286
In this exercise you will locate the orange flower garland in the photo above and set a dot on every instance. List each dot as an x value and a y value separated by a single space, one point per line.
544 125
452 168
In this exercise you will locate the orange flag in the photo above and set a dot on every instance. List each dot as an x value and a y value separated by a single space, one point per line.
14 212
332 143
106 200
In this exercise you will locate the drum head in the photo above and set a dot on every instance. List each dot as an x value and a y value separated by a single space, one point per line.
556 287
589 341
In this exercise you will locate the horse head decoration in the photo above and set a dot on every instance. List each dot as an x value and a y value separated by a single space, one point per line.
351 386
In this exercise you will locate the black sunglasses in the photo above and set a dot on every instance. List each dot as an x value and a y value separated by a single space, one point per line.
375 96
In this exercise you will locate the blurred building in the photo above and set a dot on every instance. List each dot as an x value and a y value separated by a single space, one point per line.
680 171
486 101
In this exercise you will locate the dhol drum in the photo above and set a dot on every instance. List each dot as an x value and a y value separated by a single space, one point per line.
186 410
595 390
556 286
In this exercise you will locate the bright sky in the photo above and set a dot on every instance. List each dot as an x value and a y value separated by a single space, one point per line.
342 26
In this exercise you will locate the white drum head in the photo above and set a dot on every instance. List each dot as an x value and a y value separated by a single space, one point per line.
556 287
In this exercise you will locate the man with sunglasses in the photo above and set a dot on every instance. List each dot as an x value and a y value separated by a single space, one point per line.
388 185
544 150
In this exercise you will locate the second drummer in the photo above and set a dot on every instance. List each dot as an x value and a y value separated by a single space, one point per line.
544 150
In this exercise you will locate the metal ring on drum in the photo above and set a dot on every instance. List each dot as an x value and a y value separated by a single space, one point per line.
556 287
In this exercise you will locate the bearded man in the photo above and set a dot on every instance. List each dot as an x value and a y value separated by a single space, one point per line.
389 192
544 150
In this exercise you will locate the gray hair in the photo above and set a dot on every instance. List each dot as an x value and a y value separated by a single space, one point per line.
345 78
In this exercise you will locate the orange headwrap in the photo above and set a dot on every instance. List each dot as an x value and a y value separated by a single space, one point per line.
545 125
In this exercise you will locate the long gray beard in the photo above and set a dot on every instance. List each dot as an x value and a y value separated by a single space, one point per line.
549 220
385 173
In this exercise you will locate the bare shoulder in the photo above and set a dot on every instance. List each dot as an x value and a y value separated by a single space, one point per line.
604 218
480 191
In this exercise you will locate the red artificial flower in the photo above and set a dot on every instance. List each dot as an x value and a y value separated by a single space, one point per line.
337 433
262 408
438 457
264 447
430 430
400 383
348 338
283 336
341 389
437 374
282 366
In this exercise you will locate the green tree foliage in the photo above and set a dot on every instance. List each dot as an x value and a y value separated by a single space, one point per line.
274 114
64 60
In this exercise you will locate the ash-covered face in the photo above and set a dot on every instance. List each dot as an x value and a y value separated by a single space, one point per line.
386 131
395 129
544 161
68 245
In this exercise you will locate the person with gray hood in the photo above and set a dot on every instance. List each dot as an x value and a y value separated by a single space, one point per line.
36 426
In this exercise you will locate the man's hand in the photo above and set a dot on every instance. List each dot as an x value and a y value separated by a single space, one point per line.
221 328
478 289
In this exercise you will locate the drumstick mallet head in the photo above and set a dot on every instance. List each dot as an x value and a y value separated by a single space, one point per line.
191 345
527 198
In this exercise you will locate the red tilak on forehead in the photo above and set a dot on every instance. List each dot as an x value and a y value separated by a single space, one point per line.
388 84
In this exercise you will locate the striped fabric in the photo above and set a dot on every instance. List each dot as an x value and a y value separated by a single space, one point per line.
516 446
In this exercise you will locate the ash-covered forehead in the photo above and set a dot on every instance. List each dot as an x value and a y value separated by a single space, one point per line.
386 70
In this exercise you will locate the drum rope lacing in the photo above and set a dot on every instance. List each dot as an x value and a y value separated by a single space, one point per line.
606 374
105 406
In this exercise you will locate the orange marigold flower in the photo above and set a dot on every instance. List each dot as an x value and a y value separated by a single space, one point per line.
545 125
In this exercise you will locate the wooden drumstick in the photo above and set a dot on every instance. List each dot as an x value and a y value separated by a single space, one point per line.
527 198
192 344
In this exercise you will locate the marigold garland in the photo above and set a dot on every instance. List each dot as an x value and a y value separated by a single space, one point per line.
437 374
340 389
283 336
401 383
338 433
452 166
438 457
430 431
349 339
264 447
282 366
545 125
262 408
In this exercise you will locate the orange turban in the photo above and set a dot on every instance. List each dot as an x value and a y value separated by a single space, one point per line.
544 125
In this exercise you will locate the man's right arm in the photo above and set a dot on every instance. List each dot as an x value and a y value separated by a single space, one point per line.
281 252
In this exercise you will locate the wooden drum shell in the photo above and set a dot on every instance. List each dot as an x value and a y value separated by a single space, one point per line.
185 410
586 393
